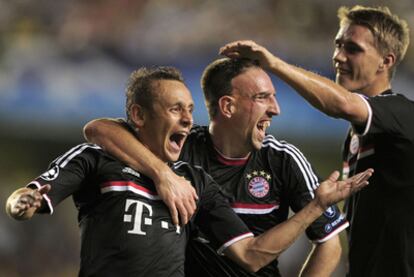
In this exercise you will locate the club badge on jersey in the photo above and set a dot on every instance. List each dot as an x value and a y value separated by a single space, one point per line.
258 183
354 144
330 212
51 174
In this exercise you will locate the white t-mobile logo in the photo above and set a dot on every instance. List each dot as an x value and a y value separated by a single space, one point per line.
139 209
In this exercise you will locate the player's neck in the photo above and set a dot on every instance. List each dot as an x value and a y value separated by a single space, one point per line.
376 88
227 145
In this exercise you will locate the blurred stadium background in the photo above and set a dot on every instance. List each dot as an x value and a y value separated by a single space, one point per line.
63 63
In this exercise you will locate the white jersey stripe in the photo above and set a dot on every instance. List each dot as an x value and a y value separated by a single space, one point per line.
301 157
232 241
47 199
128 186
335 232
304 166
368 124
74 151
74 154
178 164
254 211
60 158
306 163
309 176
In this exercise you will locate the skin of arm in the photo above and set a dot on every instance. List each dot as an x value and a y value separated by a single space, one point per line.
255 253
322 93
177 193
323 259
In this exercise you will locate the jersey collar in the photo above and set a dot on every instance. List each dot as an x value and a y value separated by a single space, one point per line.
387 92
230 161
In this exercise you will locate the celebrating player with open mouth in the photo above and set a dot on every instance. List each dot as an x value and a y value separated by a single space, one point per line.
126 230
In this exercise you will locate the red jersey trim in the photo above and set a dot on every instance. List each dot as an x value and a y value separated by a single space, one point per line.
231 161
250 208
128 186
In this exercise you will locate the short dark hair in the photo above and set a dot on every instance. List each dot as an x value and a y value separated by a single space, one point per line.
141 86
217 77
391 34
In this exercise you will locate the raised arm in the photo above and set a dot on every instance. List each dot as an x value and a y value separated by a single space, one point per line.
23 202
177 193
254 253
320 92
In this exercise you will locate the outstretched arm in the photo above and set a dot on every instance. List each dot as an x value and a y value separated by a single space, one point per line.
320 92
177 193
23 203
254 253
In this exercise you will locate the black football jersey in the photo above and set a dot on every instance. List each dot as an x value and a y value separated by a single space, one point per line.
381 236
261 189
126 230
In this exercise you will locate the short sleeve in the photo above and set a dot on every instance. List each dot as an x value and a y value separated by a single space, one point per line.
217 220
391 114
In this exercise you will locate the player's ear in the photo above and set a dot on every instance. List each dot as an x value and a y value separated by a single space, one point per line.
137 115
226 106
387 62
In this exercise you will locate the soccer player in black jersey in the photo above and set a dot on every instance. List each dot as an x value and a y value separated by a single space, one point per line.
369 45
262 176
126 230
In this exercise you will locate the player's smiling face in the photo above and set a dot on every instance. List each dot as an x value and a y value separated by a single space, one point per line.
255 104
167 125
356 59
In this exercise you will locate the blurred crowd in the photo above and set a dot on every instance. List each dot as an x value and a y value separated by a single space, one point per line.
70 59
162 31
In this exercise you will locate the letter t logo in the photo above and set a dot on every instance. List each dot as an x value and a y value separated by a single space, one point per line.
139 209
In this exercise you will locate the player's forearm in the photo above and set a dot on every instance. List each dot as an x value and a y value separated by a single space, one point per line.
116 140
259 251
320 92
323 260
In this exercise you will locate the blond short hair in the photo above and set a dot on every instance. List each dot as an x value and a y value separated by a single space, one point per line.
391 34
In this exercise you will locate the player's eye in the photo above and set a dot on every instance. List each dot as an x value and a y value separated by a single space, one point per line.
176 109
352 48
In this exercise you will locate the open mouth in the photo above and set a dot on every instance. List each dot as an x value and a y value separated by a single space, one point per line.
263 125
342 71
177 140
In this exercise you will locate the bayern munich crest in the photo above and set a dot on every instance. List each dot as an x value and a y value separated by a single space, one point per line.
354 144
258 185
